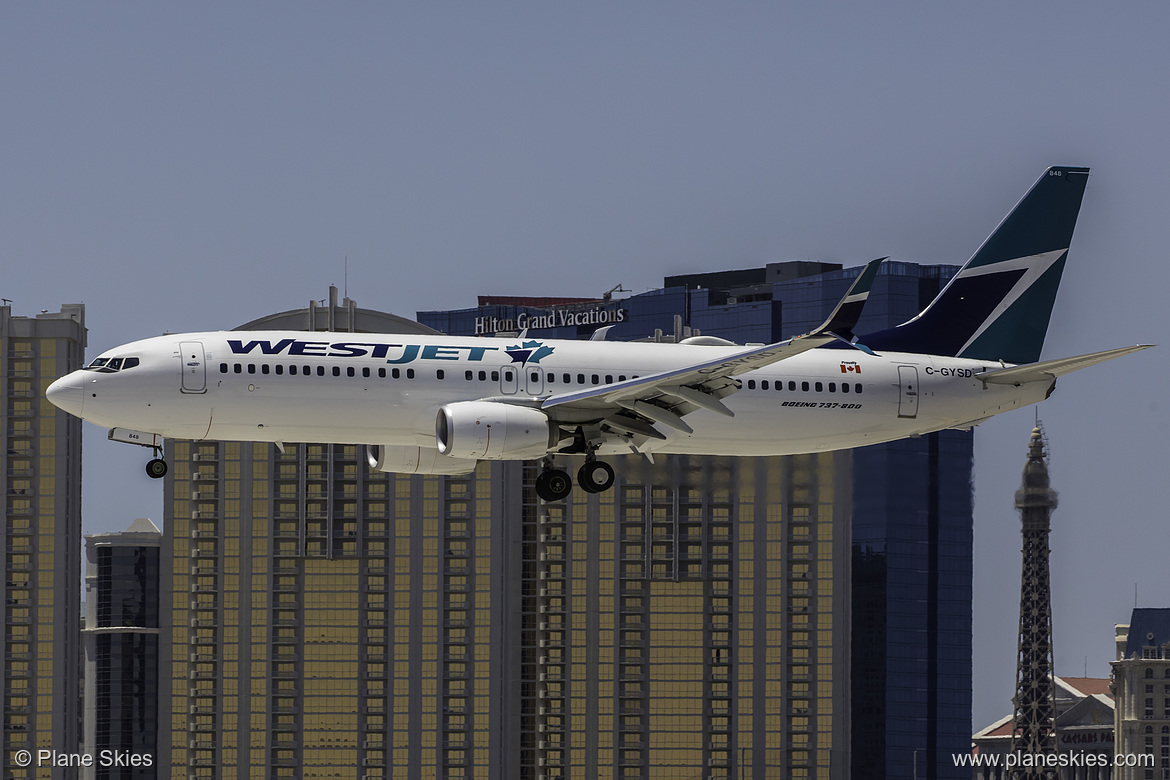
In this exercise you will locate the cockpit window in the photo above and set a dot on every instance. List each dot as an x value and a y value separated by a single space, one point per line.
110 365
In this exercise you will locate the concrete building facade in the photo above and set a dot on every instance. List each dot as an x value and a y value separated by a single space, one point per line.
1141 686
40 590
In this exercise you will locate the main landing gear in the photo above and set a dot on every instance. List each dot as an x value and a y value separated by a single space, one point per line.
594 476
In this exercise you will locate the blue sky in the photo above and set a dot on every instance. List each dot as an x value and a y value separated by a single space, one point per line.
193 166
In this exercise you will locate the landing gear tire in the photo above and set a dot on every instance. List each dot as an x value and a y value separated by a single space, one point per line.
156 469
595 476
553 485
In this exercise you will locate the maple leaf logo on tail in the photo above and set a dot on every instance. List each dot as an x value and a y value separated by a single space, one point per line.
528 352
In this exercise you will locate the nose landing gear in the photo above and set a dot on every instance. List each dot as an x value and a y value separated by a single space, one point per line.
156 468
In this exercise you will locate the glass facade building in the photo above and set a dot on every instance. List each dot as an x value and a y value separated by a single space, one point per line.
40 590
121 641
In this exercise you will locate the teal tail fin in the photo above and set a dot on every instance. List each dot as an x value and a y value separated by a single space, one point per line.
998 306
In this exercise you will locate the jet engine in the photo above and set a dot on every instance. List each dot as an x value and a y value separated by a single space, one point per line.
401 459
490 430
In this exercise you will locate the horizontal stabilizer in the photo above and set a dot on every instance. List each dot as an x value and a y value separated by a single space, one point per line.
1050 369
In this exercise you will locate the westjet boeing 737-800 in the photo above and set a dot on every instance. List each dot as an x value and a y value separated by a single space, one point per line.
441 404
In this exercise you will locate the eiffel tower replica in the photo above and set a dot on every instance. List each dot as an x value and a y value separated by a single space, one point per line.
1034 729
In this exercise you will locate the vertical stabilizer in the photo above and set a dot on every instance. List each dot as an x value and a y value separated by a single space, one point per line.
998 306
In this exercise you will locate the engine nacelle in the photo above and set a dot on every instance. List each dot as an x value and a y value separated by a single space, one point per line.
490 430
400 459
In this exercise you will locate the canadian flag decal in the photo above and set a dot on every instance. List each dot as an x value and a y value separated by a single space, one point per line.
847 368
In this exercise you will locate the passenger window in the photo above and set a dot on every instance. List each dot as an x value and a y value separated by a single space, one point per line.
337 371
792 385
223 368
237 368
552 378
320 370
609 379
580 379
764 384
621 377
820 387
596 379
381 373
832 387
306 370
495 376
567 379
804 386
279 369
535 376
857 387
366 372
395 373
349 371
439 374
410 373
751 384
468 375
507 376
844 387
292 370
251 368
483 376
264 369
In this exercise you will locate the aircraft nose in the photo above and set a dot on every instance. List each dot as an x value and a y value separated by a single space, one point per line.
68 393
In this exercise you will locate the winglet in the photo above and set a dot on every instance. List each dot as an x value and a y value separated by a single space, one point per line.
844 318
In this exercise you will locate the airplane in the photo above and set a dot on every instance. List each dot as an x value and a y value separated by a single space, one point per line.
441 404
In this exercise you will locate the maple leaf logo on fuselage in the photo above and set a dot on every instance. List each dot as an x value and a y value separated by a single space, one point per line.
528 352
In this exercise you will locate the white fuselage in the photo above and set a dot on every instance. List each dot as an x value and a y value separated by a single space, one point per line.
385 389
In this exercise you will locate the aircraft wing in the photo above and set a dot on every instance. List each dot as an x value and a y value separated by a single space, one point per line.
630 407
1048 370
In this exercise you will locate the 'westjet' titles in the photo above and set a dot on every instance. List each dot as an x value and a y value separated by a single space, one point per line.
409 352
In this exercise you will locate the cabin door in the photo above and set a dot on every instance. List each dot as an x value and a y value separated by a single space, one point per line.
907 391
194 366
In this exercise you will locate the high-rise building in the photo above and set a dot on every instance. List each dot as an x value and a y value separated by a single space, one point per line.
1141 686
690 622
121 642
324 616
40 591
